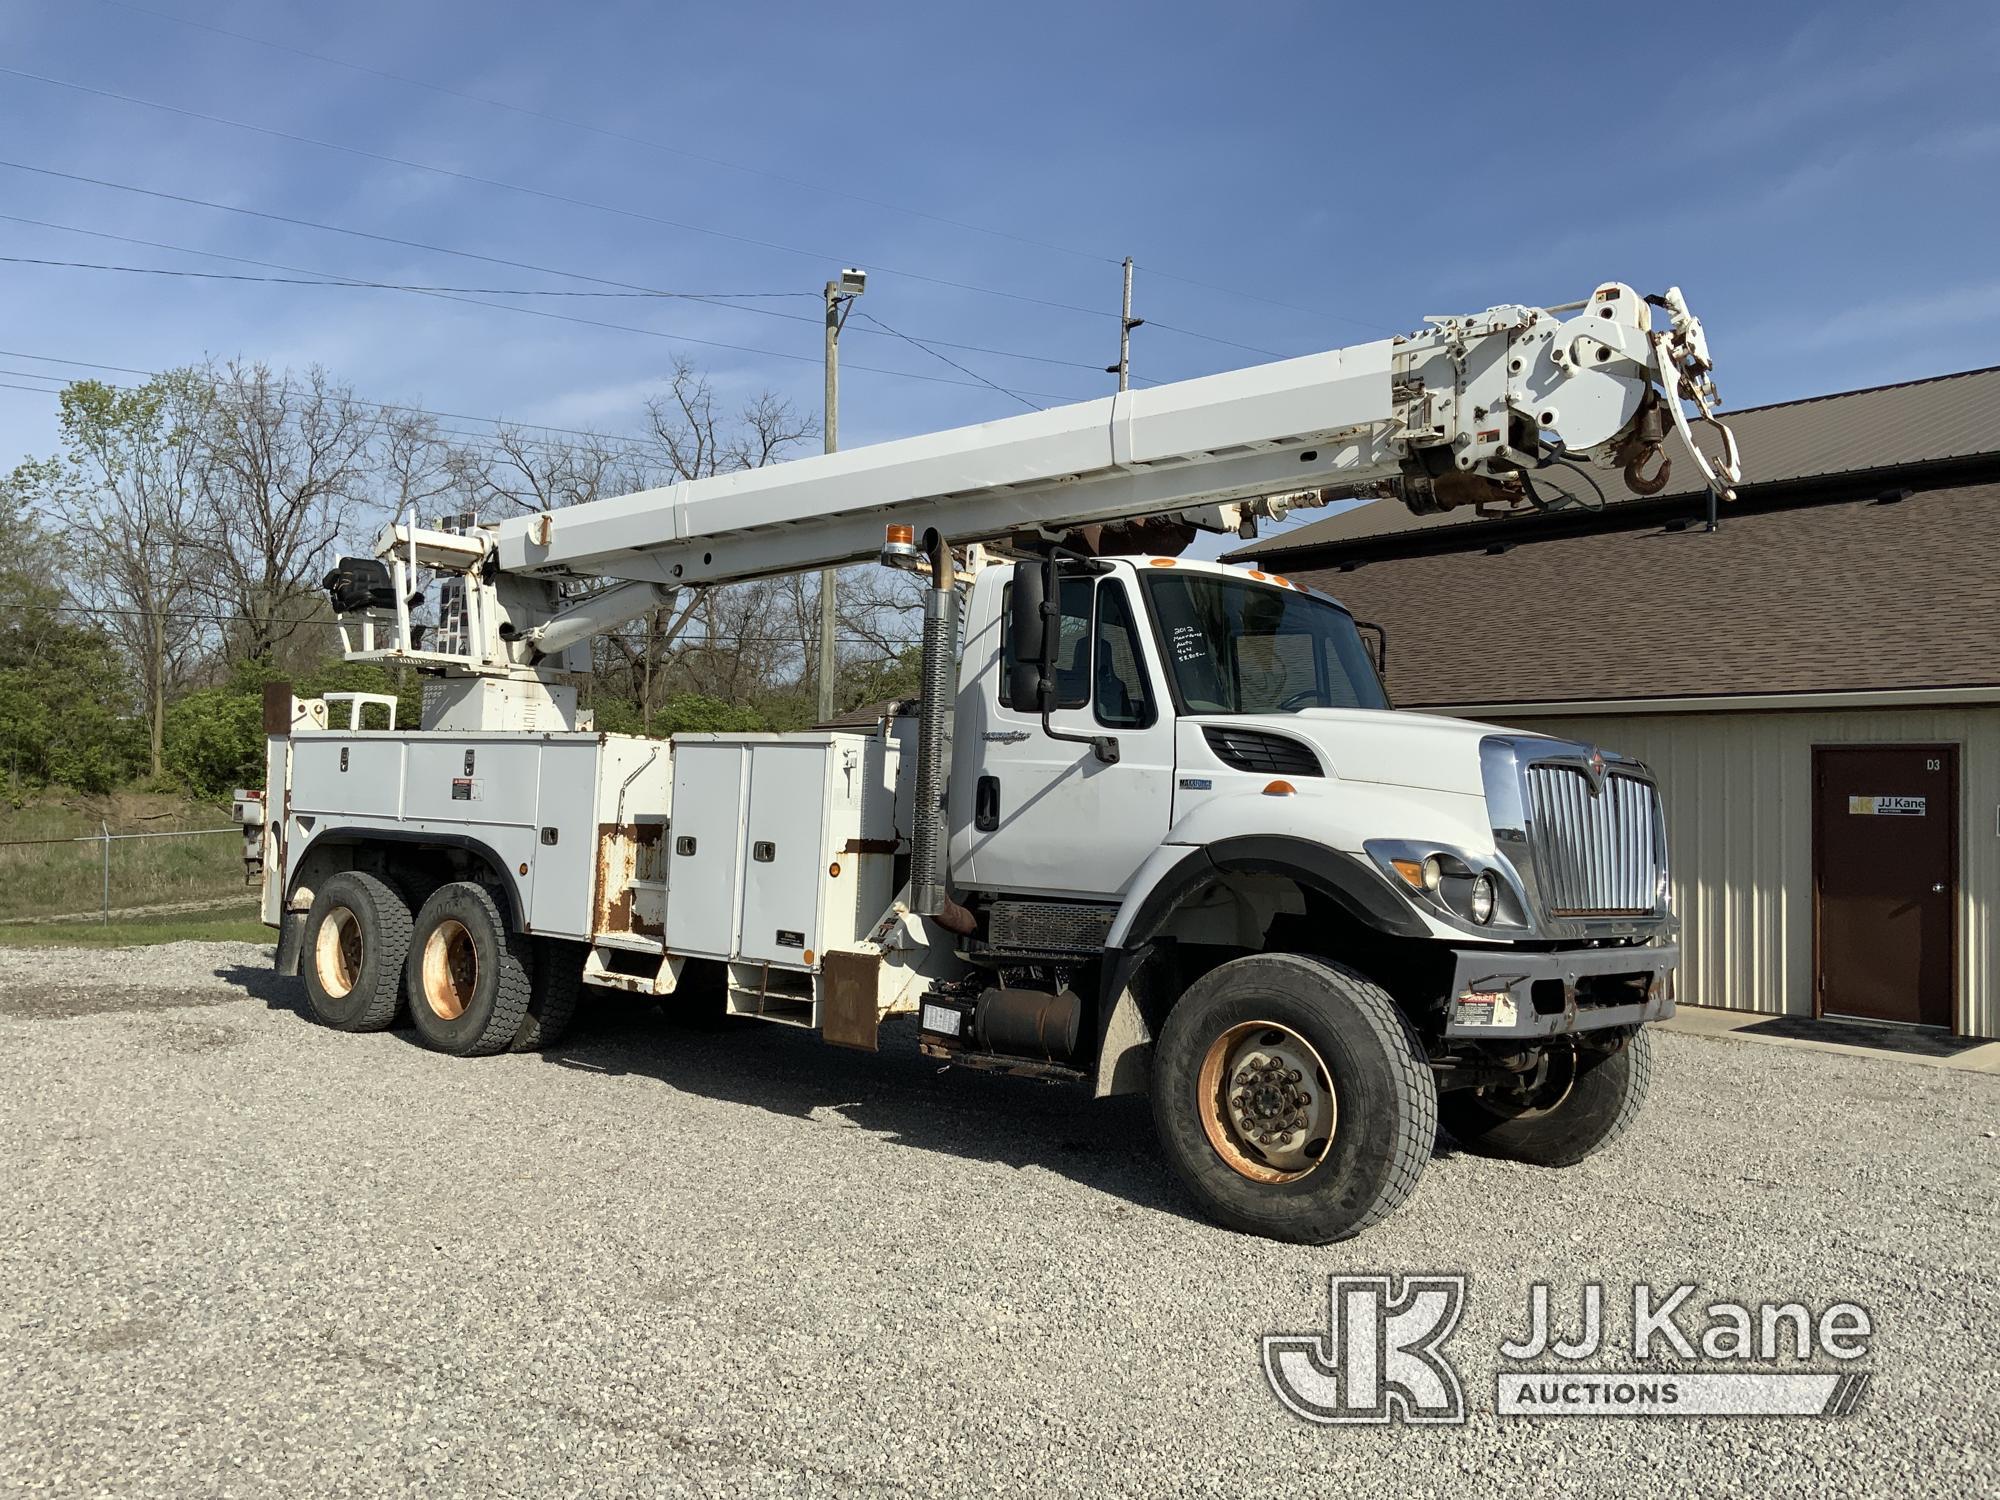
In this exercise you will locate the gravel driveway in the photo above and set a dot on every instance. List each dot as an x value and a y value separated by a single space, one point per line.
241 1254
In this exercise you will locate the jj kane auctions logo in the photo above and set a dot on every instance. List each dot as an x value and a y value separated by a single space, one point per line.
1383 1357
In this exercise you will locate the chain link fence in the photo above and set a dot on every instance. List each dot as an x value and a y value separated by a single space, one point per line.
99 876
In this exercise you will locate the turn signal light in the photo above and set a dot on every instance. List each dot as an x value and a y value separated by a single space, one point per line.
1412 870
1279 789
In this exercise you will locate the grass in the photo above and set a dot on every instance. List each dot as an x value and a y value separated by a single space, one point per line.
59 879
194 926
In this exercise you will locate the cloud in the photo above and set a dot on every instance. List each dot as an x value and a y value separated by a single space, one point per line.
1829 70
1892 319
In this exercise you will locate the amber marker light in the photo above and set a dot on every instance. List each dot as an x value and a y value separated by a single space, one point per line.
1279 789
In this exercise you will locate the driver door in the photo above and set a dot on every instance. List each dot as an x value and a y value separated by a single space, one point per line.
1048 816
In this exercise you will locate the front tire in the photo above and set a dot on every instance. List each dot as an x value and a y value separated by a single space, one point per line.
357 936
469 978
1292 1098
1590 1099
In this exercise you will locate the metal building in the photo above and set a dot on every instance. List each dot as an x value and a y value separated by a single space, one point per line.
1815 680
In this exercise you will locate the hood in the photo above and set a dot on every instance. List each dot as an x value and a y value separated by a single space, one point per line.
1395 748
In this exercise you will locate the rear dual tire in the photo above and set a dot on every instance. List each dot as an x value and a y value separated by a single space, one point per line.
357 938
469 979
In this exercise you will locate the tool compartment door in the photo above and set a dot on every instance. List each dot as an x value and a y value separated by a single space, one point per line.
705 837
784 856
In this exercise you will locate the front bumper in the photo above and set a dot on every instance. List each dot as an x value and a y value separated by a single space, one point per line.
1498 994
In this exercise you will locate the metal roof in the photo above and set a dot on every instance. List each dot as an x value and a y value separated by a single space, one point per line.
1849 433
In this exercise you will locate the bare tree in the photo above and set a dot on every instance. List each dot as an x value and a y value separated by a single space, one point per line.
416 466
287 467
520 471
131 492
723 642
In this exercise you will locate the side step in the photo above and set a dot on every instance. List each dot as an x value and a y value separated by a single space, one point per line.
787 996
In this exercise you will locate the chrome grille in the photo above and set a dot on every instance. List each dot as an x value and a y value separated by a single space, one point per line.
1597 851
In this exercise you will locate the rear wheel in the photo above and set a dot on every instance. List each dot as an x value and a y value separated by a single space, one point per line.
1586 1100
356 938
1292 1098
554 996
469 978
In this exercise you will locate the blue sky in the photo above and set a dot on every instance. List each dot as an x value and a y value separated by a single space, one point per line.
1820 179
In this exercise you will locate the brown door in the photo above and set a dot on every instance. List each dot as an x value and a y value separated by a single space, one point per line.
1885 881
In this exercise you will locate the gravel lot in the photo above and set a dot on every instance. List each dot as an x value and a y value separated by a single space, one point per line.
245 1255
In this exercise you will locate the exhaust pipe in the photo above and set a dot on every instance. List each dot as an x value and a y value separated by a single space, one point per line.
929 896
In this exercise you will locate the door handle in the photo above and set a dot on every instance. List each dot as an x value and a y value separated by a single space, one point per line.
986 804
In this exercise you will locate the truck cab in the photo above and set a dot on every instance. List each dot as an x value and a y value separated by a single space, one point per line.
1203 771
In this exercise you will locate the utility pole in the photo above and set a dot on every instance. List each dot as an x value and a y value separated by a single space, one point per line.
840 297
1126 323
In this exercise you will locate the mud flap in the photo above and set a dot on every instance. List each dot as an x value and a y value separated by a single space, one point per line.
291 938
849 987
1125 1062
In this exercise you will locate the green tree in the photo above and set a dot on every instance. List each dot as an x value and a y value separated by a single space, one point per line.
65 711
215 741
128 490
684 713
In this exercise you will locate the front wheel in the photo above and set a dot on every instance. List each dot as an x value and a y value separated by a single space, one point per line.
1588 1098
1293 1098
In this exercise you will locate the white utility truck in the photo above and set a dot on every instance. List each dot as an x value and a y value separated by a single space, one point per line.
1152 825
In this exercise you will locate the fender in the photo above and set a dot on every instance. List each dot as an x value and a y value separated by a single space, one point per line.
1174 875
510 889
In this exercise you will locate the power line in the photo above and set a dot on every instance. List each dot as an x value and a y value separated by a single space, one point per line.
1234 291
424 411
716 161
619 135
500 444
547 195
216 617
384 286
532 312
952 362
1252 348
718 299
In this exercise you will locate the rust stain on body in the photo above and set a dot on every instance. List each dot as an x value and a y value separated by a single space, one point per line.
617 859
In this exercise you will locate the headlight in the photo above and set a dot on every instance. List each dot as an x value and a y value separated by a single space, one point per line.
1470 890
1482 899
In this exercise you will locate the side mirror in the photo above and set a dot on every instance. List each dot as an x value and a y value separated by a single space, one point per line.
1378 648
1028 637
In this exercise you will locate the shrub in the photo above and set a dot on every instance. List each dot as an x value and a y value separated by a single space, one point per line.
215 741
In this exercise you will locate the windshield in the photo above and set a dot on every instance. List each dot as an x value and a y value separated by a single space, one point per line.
1237 647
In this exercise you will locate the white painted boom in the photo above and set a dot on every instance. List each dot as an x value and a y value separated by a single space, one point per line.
1469 398
1462 413
1298 424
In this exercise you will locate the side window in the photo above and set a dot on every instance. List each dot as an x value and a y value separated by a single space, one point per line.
1072 663
1122 699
